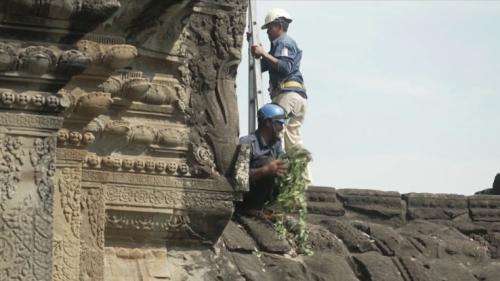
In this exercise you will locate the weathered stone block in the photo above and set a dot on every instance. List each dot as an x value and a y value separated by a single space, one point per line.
375 267
250 267
264 234
412 269
373 203
329 267
281 268
236 239
354 239
320 239
488 272
323 201
389 241
435 206
450 270
435 240
126 264
485 208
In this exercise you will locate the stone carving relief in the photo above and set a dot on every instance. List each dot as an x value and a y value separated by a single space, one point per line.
30 121
113 56
73 62
134 86
165 198
86 105
66 248
66 137
25 217
173 137
150 264
37 60
11 161
88 12
41 59
122 134
204 159
8 57
25 250
69 189
242 169
137 165
92 234
210 74
42 159
33 101
150 222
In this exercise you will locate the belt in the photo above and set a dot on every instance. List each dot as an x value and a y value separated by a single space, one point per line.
291 84
288 84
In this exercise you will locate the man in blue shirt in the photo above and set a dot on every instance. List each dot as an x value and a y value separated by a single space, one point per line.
286 84
265 149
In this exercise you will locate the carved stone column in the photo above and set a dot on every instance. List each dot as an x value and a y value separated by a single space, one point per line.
67 202
27 167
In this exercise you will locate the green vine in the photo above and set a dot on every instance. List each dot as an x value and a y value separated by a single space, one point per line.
291 199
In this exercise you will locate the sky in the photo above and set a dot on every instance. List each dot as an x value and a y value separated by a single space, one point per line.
403 95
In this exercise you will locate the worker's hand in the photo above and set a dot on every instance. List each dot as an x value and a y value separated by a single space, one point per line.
258 51
277 168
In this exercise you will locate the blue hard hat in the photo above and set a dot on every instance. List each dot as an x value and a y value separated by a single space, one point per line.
272 111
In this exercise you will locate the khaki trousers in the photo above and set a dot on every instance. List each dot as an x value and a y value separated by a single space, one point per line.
295 106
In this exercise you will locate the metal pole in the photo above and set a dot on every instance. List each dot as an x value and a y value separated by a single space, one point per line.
254 73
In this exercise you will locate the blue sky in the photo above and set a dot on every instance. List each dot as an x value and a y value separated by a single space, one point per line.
404 95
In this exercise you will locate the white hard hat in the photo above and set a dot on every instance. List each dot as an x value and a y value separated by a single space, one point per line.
275 14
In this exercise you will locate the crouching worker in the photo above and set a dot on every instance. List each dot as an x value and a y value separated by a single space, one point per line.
265 145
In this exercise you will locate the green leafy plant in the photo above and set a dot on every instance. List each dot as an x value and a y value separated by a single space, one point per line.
291 198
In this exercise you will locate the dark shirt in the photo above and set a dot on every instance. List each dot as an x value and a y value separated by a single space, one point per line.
262 190
285 49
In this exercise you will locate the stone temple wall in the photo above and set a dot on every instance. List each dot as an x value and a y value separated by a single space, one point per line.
118 134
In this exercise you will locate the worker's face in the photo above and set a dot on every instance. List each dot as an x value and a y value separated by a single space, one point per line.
277 129
274 30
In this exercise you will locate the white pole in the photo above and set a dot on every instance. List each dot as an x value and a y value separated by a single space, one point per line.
254 73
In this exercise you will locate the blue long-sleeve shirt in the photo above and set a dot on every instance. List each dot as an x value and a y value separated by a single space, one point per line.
285 49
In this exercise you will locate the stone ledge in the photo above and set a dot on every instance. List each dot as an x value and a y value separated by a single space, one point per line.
321 194
381 204
435 206
485 208
323 200
387 205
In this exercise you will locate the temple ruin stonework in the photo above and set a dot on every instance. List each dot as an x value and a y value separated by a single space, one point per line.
119 162
119 128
